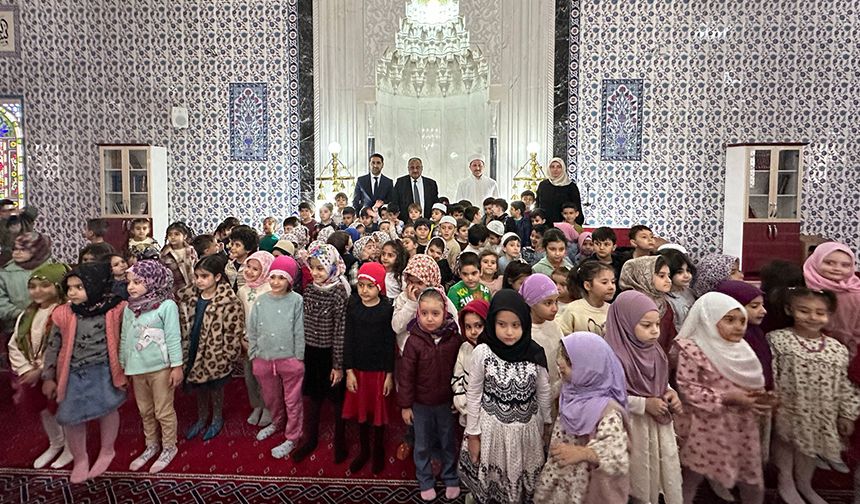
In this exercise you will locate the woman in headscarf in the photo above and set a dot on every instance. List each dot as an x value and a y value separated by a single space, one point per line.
556 190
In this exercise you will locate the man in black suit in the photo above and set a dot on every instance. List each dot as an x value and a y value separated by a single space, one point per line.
414 188
373 189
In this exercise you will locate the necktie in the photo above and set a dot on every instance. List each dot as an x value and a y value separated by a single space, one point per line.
416 198
375 185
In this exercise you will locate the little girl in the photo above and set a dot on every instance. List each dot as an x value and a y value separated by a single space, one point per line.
420 273
178 255
650 276
424 392
213 325
276 345
256 273
541 294
713 269
363 251
26 351
515 274
82 370
832 266
31 251
508 403
753 300
438 250
681 297
595 283
565 297
510 250
368 357
394 260
721 385
818 403
473 319
632 330
590 433
150 354
119 270
325 320
410 245
586 247
490 276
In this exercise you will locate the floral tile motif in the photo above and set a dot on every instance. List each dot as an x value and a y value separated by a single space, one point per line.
621 120
249 121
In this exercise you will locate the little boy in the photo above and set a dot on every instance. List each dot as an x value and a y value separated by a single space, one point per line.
496 229
534 252
528 199
394 218
462 235
522 225
510 251
96 230
456 211
306 216
414 211
140 239
473 215
447 229
570 213
340 202
469 287
290 223
488 205
408 229
538 216
436 214
367 216
269 238
642 239
477 236
409 244
604 240
347 217
205 245
243 242
422 234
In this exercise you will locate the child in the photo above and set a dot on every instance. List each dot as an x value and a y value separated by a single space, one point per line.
96 230
541 294
394 218
205 245
438 211
26 352
408 230
368 357
521 224
478 236
591 430
326 211
421 273
150 354
682 271
119 270
256 273
642 239
269 238
510 250
243 243
650 276
565 297
340 201
818 404
289 224
490 276
528 199
394 259
306 219
325 320
284 247
515 275
494 237
422 234
535 251
213 326
447 229
82 370
469 287
140 239
538 216
178 255
276 347
713 269
424 393
437 249
753 300
31 251
508 404
832 266
556 253
585 245
473 319
347 218
94 252
571 235
632 330
570 213
462 236
604 241
415 212
776 277
409 245
722 388
595 283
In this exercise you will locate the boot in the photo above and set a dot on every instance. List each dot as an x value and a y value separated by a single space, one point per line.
340 450
378 449
309 444
364 453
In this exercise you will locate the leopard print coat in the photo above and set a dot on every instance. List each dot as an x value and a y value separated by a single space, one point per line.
220 336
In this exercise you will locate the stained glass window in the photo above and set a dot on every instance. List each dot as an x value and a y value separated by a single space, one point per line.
12 149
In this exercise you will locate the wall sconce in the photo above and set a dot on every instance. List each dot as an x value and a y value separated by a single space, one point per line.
335 171
530 174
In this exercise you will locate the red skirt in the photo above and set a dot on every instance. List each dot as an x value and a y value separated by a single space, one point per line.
368 404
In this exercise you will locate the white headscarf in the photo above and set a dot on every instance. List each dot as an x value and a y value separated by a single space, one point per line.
563 179
737 362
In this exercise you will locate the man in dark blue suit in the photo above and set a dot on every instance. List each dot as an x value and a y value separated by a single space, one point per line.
415 188
373 189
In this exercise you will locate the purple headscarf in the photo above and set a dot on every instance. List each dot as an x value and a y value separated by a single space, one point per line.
536 288
158 280
596 379
744 293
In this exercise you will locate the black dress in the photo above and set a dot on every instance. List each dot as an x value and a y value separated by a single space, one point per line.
550 198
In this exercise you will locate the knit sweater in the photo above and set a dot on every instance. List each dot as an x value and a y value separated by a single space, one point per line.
369 340
276 327
152 341
325 319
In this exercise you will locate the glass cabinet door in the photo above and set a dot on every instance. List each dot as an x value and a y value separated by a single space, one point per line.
114 203
758 186
787 184
138 181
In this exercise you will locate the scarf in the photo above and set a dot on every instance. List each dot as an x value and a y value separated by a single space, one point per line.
812 268
570 232
536 288
298 235
737 362
596 378
638 274
645 366
358 246
37 244
333 263
712 269
265 259
98 283
54 273
744 293
561 180
382 237
157 279
448 327
524 350
480 308
585 235
424 268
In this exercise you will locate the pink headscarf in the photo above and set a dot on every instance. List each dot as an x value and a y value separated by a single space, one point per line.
570 233
812 266
536 288
265 259
585 235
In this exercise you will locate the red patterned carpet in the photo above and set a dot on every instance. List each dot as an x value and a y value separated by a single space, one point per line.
233 467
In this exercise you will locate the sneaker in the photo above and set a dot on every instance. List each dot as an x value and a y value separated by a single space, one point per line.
428 495
265 418
254 417
452 492
143 458
164 459
839 467
282 450
265 432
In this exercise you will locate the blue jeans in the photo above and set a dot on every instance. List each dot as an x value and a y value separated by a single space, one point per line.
434 428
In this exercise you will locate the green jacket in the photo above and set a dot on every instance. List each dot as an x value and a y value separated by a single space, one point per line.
14 296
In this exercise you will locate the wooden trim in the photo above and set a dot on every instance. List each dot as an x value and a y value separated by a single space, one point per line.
783 144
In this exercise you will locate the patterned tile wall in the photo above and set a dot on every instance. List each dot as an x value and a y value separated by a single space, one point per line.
724 71
104 71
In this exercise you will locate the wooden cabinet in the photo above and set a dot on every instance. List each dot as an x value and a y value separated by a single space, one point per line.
133 185
762 204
